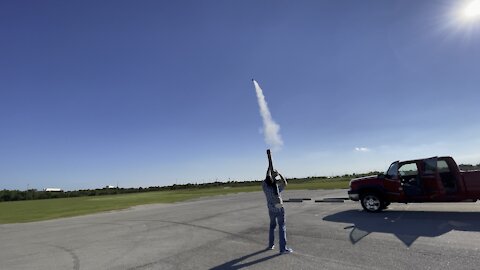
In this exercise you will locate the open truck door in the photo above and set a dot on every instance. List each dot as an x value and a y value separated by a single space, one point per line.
431 181
392 184
410 178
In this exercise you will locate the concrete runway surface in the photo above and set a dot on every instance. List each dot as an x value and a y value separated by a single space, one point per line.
230 232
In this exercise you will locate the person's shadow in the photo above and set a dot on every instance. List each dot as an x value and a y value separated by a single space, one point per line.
236 263
406 225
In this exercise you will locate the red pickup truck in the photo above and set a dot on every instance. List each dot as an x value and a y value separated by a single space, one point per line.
436 179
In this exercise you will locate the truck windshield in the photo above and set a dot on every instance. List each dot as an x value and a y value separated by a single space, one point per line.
392 170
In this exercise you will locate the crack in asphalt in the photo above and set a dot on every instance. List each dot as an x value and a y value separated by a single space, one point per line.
205 246
75 259
202 227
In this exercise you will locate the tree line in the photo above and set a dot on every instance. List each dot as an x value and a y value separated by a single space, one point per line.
33 194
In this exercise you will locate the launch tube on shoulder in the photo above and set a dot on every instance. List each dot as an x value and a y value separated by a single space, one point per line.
271 172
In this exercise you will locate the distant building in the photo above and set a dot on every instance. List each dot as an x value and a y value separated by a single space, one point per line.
109 187
53 190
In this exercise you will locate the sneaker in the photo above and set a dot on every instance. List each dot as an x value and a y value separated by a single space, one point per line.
286 251
272 247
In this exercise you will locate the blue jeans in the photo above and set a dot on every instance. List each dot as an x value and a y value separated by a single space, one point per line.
282 232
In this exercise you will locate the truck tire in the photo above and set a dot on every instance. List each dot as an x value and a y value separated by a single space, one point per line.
372 202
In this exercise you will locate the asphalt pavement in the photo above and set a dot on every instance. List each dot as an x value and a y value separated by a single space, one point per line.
231 232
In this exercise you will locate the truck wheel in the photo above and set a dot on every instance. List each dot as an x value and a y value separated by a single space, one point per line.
372 202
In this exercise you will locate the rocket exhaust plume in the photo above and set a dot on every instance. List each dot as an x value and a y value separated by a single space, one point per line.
271 130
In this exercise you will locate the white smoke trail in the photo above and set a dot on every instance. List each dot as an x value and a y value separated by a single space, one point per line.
271 130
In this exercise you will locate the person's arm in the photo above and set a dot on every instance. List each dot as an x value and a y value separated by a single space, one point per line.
283 179
269 176
281 184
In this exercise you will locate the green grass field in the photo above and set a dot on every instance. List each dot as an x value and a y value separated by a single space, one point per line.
36 210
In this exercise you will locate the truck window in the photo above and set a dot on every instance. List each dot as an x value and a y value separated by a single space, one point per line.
409 169
430 166
392 171
442 166
448 179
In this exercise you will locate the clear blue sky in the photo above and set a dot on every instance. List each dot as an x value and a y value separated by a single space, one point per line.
146 93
